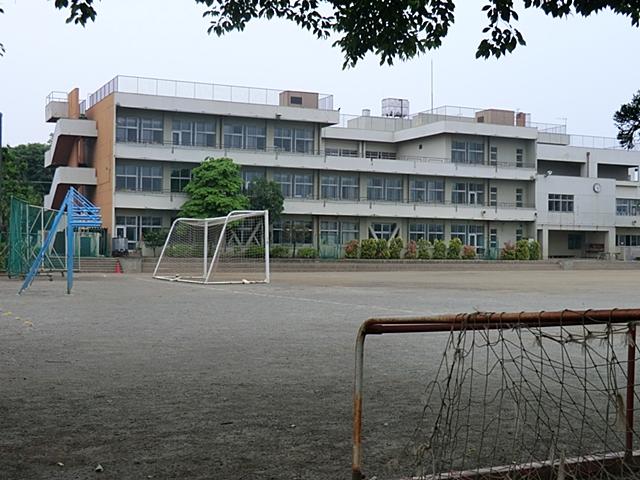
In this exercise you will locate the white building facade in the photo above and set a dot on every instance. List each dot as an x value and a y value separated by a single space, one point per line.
485 176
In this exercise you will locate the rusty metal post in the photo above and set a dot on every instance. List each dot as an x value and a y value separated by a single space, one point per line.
631 383
356 463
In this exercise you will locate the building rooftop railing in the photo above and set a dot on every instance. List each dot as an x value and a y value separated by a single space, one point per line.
195 90
56 96
439 114
589 141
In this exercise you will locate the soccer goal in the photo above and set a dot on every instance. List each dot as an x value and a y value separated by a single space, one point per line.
229 249
539 395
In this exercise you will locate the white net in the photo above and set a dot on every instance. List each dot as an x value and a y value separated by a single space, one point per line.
231 249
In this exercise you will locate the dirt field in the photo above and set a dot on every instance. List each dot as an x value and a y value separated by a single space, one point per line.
159 380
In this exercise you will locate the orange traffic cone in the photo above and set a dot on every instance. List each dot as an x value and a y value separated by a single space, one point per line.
118 267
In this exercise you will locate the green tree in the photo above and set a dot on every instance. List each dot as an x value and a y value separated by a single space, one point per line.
154 238
215 189
392 30
627 120
266 195
22 174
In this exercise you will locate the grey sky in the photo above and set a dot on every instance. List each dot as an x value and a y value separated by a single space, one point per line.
581 69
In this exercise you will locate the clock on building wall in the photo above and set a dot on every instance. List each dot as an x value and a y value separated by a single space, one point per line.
597 187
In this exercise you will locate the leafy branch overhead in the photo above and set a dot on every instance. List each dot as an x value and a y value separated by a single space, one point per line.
627 120
390 29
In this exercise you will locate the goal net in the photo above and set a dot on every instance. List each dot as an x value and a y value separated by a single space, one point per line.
230 249
528 401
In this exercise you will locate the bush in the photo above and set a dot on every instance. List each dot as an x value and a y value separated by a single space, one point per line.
184 250
307 252
254 251
395 248
382 248
455 248
522 249
279 251
352 249
508 252
412 250
468 252
424 249
368 248
439 250
534 250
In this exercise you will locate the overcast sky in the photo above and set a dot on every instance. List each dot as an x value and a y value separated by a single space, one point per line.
578 69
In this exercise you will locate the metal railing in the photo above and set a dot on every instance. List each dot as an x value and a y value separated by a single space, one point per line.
324 153
590 141
195 90
56 96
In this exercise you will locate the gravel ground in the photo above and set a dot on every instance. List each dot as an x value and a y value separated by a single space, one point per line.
160 380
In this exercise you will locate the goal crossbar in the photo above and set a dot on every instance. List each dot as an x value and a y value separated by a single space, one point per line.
229 249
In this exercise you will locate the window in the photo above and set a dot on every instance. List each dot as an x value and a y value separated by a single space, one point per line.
298 140
180 177
493 156
350 231
475 237
182 132
303 185
375 189
471 193
205 134
129 224
519 234
233 135
126 177
493 196
560 202
381 155
493 238
519 157
476 194
349 187
329 187
382 230
459 193
296 100
574 241
627 206
459 231
628 240
284 180
292 231
340 152
250 176
467 152
131 128
429 231
150 179
144 178
151 130
256 137
393 190
329 234
149 223
427 190
519 198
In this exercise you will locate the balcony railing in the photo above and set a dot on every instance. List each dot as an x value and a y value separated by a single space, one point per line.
323 153
195 90
589 141
56 96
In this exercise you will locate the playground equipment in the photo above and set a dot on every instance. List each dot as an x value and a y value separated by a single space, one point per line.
80 213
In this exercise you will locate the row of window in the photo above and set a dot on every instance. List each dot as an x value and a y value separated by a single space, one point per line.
473 152
149 178
627 206
560 202
133 227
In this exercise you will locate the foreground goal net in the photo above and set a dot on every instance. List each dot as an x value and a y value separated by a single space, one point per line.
547 395
230 249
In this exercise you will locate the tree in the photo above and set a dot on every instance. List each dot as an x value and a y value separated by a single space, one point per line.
22 175
266 195
392 30
215 189
627 121
154 238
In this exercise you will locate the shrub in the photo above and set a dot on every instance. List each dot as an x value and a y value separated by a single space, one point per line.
424 248
307 252
184 250
279 251
522 249
508 252
439 250
382 248
468 252
254 251
455 248
534 250
352 249
368 248
412 250
395 247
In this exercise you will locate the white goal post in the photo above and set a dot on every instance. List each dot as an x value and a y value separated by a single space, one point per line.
229 249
